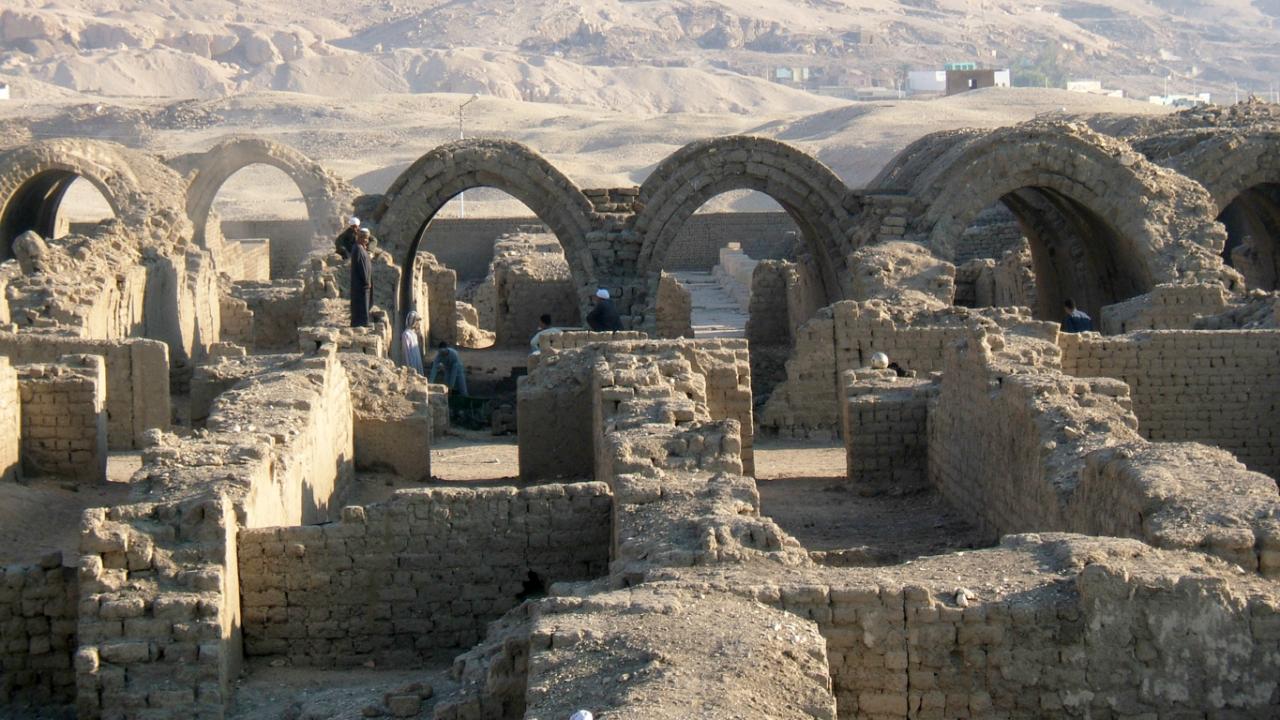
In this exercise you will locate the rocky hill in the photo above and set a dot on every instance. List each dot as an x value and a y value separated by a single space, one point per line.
648 56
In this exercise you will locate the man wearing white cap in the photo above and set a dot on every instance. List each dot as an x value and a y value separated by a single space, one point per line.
604 316
347 237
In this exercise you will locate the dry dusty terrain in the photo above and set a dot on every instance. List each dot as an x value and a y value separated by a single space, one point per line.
373 140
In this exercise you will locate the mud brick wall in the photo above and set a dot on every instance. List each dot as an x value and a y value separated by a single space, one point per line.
305 411
530 276
1086 641
276 312
37 633
1167 307
424 572
674 314
844 336
761 235
1221 388
237 321
884 425
64 425
137 390
159 628
1066 456
1017 474
10 422
994 232
734 274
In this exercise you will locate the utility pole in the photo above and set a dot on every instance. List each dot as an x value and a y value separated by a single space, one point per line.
462 196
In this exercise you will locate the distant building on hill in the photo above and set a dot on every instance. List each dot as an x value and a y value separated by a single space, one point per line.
1092 87
1181 101
791 75
955 78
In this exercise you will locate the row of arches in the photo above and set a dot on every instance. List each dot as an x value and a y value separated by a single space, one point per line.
1103 222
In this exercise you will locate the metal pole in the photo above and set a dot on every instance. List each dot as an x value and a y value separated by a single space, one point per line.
462 196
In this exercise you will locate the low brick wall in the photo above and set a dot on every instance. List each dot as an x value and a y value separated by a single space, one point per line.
37 633
424 572
885 430
64 423
137 388
1217 387
844 336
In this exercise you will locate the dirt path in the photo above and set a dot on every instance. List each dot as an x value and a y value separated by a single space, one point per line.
802 487
42 515
715 314
286 693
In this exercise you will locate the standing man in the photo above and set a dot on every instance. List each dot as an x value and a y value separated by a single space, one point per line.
409 344
1076 320
455 375
361 280
347 237
604 316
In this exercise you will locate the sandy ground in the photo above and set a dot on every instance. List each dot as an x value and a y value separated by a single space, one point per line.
285 693
802 487
42 515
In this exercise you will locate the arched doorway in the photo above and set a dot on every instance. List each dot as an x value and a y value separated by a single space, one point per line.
1252 221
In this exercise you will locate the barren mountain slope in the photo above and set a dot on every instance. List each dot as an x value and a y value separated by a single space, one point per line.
575 51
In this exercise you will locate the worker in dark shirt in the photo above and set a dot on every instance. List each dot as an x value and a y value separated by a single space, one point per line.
1076 320
603 316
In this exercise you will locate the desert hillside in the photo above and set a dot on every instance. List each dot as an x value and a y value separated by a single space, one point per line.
656 56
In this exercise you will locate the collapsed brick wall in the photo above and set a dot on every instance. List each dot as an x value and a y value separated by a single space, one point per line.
159 625
1044 626
673 317
844 336
137 370
424 572
1008 281
305 412
158 637
554 402
1221 388
64 425
237 320
531 277
275 314
37 633
10 422
885 430
1166 307
1073 627
1066 456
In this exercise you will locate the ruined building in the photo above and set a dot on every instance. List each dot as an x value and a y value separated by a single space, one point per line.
1121 484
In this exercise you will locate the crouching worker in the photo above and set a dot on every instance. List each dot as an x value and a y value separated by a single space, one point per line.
455 375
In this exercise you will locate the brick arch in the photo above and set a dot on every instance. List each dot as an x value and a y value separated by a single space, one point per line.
1241 171
808 190
327 197
34 179
1137 225
425 187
